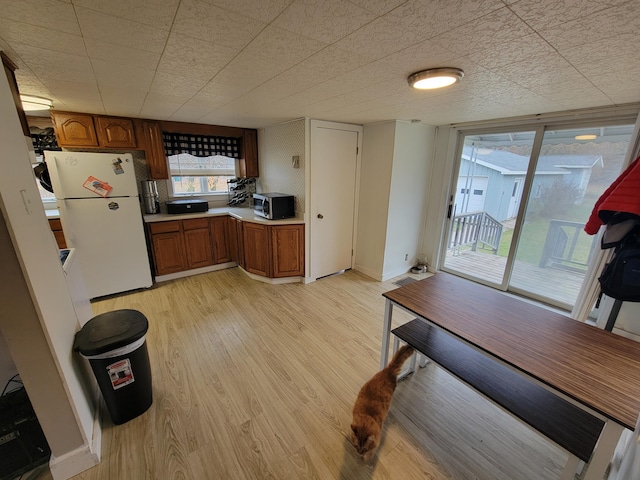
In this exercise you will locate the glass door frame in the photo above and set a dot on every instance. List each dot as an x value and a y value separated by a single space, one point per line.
539 129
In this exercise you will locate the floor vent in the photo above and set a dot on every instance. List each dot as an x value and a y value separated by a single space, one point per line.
404 281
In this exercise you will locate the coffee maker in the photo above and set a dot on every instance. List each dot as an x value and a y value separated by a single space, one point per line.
150 196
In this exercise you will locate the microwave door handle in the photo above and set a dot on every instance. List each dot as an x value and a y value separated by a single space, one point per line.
264 203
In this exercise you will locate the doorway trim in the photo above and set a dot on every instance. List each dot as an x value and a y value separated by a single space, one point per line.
313 124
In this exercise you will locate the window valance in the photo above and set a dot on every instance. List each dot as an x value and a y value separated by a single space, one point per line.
200 145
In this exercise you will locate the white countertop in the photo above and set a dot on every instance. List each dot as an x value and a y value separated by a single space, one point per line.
245 214
52 213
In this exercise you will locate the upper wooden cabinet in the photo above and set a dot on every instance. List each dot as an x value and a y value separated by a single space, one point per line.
99 131
249 161
151 141
85 130
74 129
114 132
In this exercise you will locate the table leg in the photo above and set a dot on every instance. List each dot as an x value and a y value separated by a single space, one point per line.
386 332
604 451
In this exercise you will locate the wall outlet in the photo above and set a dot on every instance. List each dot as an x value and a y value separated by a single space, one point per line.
295 161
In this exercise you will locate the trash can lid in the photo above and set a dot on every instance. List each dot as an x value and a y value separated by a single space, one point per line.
110 330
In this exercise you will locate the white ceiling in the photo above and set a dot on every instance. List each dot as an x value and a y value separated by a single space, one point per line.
253 63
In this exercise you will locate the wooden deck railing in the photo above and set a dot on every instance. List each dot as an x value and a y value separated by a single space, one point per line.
559 248
471 229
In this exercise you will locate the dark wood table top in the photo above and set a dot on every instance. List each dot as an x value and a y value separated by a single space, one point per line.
597 368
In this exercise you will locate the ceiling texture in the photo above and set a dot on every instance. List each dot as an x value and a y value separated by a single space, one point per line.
254 63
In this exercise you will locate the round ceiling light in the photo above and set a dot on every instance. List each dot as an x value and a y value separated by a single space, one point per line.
435 78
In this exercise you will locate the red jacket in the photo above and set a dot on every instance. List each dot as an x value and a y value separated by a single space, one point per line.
622 196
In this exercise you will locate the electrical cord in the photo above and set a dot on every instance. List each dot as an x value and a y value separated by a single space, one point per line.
12 379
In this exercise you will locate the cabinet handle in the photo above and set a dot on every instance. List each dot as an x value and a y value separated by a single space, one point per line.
320 216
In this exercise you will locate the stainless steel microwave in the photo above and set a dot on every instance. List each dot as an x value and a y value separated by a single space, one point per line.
274 205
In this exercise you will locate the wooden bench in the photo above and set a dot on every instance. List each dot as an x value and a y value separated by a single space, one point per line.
562 422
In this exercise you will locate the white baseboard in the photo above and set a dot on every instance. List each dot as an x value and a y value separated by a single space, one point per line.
195 271
83 458
368 272
273 281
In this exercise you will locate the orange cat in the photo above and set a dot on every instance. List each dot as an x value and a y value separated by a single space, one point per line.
372 405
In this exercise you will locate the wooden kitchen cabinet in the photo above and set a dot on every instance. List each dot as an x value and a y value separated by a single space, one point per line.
274 251
74 129
93 131
115 132
249 161
235 241
197 242
56 228
180 245
168 247
154 150
287 247
220 228
255 239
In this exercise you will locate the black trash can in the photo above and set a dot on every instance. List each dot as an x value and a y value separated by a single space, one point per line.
114 343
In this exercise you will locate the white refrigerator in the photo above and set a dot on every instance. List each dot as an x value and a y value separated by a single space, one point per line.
97 197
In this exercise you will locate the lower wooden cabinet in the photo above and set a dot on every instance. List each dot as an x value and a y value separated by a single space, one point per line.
167 241
220 228
273 251
287 247
197 243
56 228
255 239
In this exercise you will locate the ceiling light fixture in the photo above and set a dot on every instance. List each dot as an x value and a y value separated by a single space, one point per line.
33 102
435 78
590 136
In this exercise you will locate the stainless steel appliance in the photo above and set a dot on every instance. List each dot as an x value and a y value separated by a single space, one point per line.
274 205
150 196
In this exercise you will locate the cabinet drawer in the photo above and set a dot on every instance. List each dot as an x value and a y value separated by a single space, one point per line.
164 227
195 223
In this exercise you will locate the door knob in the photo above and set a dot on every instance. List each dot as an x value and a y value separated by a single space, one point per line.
320 216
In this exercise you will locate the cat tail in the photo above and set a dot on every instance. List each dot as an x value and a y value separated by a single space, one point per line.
395 365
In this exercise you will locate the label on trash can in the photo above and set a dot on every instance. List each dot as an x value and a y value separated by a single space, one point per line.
120 373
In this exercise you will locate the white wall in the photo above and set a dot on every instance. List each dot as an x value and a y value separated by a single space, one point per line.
276 147
37 319
394 180
373 205
412 157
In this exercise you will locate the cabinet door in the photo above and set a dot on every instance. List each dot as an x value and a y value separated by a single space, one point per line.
168 253
232 239
256 248
115 132
74 129
219 227
154 151
56 228
287 243
249 160
198 248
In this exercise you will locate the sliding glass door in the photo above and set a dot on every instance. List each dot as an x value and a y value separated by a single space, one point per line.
520 201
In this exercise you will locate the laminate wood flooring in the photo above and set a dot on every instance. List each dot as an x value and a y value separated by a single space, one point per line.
257 381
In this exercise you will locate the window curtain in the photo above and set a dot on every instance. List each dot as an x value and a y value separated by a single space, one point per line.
200 145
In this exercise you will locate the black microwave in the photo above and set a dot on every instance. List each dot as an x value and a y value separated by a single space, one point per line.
274 205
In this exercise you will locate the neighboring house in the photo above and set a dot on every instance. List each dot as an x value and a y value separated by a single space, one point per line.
493 180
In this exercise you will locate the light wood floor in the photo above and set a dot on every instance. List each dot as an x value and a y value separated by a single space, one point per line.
256 381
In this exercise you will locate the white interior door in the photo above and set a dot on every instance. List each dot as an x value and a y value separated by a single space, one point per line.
333 170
